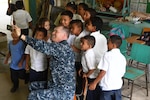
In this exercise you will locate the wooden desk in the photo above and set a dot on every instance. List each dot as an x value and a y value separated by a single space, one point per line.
133 28
133 39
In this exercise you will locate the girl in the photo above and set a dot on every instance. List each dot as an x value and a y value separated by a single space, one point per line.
44 23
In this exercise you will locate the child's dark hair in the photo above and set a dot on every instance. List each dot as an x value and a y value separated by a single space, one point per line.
83 5
67 13
19 5
97 22
41 29
78 23
92 12
116 39
72 5
42 21
90 39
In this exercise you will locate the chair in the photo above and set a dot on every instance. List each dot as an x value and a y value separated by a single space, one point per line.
133 38
124 49
141 54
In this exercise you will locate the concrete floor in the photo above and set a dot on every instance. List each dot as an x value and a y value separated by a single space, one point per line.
22 93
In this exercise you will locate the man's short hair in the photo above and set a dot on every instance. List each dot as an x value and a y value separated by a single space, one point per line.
115 39
90 39
65 29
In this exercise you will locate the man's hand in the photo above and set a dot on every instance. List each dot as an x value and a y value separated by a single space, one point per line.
17 30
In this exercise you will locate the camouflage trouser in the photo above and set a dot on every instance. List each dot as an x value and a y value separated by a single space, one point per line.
52 93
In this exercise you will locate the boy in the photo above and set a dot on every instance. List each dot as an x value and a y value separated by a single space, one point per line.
65 19
76 27
89 65
70 6
22 18
38 71
17 65
81 9
94 25
112 68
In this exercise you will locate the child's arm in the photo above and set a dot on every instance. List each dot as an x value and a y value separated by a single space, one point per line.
21 60
7 58
101 74
80 72
27 61
88 73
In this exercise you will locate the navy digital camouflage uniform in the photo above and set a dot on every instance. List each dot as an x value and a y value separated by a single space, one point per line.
62 84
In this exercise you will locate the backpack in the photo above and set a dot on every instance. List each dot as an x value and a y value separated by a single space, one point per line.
118 30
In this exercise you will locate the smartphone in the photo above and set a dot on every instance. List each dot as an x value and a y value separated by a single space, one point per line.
9 27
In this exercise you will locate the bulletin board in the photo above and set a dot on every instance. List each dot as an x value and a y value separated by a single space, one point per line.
140 6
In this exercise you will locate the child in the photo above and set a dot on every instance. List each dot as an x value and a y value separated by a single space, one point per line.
112 68
76 28
81 9
66 18
94 25
17 65
44 23
22 18
89 65
71 6
38 71
90 12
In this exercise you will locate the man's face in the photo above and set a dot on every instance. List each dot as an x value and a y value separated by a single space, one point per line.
58 34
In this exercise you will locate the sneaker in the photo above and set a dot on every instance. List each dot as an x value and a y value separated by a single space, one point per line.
13 89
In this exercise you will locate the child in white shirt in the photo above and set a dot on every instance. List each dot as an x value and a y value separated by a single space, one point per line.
112 68
38 60
22 18
89 65
94 25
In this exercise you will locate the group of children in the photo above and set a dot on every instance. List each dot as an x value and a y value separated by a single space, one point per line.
95 58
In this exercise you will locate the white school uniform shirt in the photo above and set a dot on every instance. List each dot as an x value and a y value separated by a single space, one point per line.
71 39
22 18
38 59
88 62
77 16
114 63
100 45
77 44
